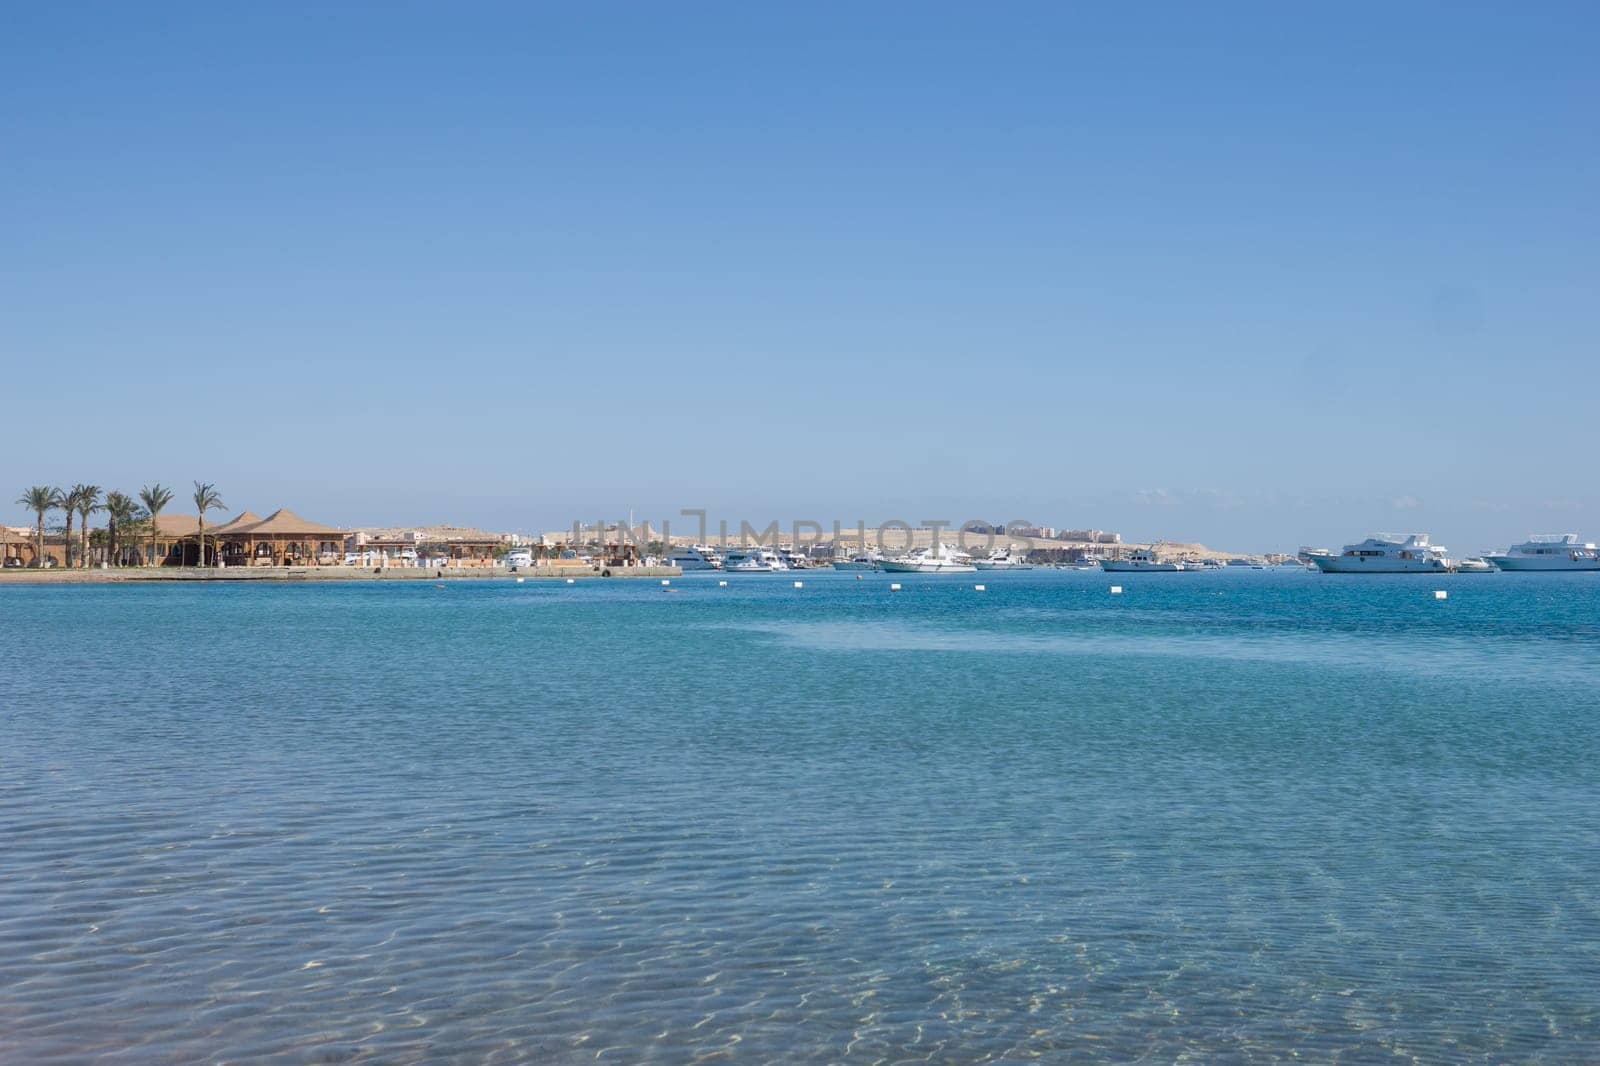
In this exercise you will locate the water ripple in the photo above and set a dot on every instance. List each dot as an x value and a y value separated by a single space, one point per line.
367 825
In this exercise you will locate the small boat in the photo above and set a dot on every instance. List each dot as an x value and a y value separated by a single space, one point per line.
1549 551
1004 559
1385 553
752 561
1140 560
1474 565
863 561
939 559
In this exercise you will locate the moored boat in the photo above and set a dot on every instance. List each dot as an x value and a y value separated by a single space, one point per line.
861 561
1549 551
1004 559
1385 553
1141 560
694 557
752 561
939 559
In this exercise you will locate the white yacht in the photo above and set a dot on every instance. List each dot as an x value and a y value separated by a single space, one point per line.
939 559
694 557
1474 565
794 559
1141 560
1549 551
752 561
860 561
1004 559
1385 553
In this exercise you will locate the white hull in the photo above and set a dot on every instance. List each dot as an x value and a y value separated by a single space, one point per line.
984 564
934 567
1506 562
1123 566
752 569
1357 564
687 565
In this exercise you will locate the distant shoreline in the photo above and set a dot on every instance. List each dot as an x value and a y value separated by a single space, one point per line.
322 573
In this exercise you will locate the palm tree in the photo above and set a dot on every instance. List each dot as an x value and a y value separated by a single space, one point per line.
40 499
154 497
206 498
67 500
120 509
88 501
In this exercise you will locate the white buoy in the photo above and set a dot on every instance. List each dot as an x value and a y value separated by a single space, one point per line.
520 580
895 587
722 584
1116 590
1440 594
664 581
572 581
799 584
977 588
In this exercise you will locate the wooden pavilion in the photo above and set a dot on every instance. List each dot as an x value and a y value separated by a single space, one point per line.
282 538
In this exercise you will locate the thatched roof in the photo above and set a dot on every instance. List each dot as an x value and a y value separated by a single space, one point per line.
246 518
176 525
286 523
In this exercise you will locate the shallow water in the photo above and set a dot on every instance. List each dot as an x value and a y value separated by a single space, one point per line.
1244 815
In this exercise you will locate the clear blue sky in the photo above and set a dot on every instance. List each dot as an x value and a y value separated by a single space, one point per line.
1250 274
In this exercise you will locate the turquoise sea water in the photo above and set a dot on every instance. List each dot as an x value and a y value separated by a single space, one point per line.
1241 816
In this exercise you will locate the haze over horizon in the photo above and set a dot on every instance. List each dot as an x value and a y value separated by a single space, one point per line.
1246 275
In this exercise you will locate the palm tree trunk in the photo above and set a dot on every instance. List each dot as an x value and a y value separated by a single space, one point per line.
38 556
201 561
83 536
66 545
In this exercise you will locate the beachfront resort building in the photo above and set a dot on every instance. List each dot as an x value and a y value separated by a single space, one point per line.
282 538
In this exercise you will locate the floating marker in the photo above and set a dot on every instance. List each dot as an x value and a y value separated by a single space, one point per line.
1440 594
799 584
722 584
572 581
665 582
895 587
977 588
1116 590
520 580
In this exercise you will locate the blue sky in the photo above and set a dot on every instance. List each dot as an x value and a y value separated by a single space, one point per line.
1247 274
